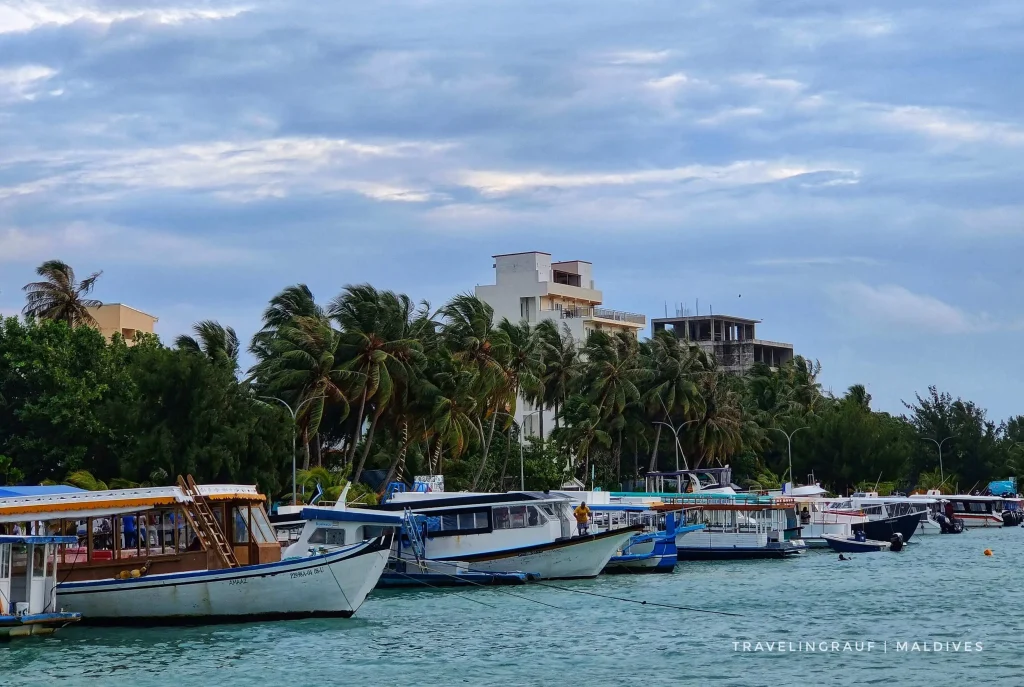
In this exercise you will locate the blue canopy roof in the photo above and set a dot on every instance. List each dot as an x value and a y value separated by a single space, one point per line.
7 492
32 539
354 515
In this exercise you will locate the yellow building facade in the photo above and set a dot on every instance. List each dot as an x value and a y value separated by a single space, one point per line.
117 318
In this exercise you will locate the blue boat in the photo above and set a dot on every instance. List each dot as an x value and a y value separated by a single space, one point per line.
651 551
28 586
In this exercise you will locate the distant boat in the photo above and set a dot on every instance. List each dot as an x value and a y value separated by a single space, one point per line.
652 550
975 510
28 586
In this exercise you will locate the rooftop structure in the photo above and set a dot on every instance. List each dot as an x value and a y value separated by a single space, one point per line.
531 286
117 318
732 340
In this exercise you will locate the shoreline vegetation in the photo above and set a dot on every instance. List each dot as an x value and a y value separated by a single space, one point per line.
382 383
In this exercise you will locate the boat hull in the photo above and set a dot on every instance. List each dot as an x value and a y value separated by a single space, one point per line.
882 530
332 584
645 553
844 545
575 557
711 545
34 624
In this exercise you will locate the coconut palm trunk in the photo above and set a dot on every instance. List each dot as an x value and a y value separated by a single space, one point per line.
654 451
359 426
366 449
487 447
399 459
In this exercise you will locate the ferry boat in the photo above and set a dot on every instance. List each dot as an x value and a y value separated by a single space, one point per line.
821 518
886 515
28 586
195 554
737 526
517 532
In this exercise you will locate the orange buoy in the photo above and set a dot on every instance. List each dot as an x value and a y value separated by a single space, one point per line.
988 552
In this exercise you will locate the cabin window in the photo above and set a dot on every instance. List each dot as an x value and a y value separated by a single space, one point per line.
499 515
328 535
518 516
978 506
534 518
449 522
262 530
241 521
289 535
473 521
371 531
39 560
549 509
5 561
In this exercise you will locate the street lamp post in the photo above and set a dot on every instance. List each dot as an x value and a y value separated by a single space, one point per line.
294 413
942 474
789 441
522 460
675 434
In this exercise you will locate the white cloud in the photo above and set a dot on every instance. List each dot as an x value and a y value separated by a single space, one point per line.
672 82
950 125
24 82
892 307
737 173
26 15
762 81
637 57
243 170
730 114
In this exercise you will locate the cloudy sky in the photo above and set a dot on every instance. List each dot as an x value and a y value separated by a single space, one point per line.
849 172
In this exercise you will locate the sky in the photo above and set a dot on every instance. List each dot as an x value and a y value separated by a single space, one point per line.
849 173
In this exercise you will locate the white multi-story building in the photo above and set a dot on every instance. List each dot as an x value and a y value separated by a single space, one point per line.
529 286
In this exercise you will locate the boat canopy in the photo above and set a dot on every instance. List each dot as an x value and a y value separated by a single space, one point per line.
83 504
350 515
34 539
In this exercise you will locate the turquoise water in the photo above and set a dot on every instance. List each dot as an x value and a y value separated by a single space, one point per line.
939 589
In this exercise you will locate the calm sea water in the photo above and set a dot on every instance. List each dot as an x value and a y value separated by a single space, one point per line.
940 589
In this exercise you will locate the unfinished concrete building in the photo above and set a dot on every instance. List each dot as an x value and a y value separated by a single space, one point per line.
732 340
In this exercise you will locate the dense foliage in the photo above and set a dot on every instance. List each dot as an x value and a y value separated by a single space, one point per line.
377 382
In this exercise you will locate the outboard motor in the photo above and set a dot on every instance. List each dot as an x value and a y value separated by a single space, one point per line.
896 543
859 535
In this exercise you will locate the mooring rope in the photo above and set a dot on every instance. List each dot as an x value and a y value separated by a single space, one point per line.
496 588
637 601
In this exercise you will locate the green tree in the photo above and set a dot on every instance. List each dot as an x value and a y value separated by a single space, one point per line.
59 297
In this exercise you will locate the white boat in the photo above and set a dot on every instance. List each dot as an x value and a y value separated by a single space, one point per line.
197 554
323 585
974 511
28 586
820 518
528 532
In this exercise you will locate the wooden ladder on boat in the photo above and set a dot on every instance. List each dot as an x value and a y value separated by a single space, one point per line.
200 517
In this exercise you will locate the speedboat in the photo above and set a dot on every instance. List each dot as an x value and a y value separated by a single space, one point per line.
855 544
518 532
197 554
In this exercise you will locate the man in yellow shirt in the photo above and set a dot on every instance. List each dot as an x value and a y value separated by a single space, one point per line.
582 514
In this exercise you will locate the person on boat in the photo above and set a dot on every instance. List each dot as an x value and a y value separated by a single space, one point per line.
582 513
805 516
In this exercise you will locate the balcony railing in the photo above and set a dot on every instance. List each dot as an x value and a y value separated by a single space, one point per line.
603 313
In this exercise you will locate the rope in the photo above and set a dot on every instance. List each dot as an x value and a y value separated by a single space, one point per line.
635 601
340 588
497 589
476 601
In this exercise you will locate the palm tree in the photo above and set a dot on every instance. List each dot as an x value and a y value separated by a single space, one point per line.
59 297
673 388
376 342
215 341
720 428
301 365
452 418
284 309
560 353
474 342
582 429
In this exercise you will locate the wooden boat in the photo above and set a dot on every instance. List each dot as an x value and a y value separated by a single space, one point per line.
194 554
28 586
